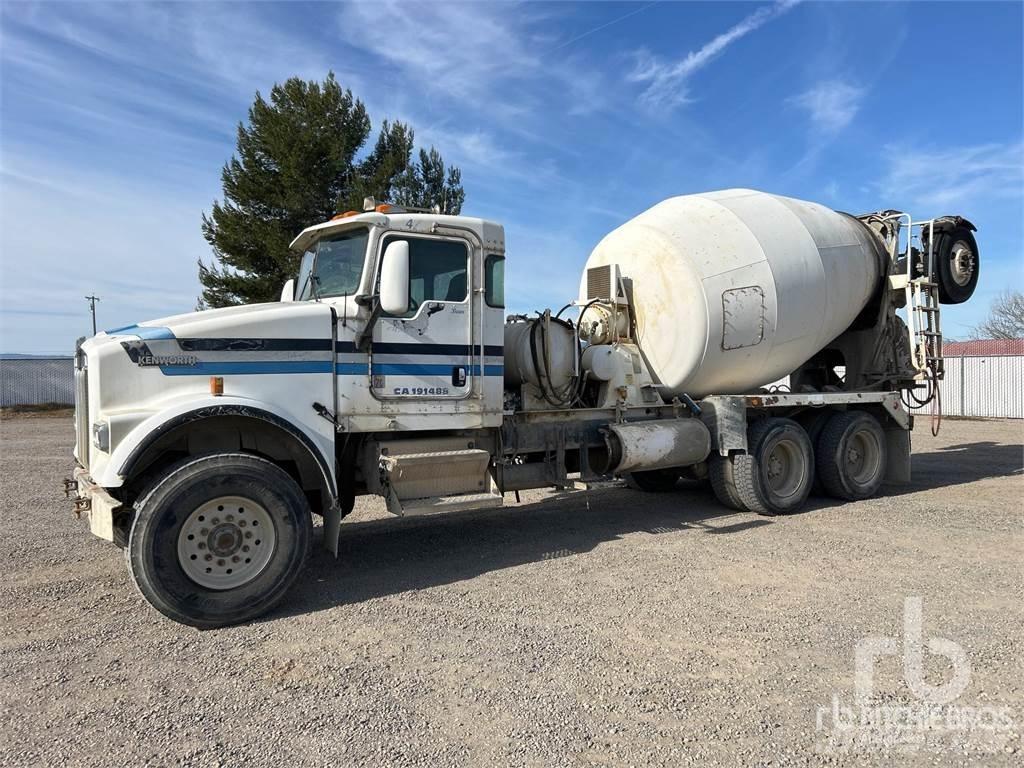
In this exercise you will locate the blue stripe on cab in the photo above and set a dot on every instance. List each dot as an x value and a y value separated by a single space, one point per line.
248 367
350 369
145 332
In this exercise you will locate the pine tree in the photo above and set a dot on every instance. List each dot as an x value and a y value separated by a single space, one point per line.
295 165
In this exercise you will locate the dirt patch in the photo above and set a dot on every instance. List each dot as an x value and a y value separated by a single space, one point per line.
41 410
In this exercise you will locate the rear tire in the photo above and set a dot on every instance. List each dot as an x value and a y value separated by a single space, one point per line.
653 480
723 481
694 476
813 425
219 540
852 456
775 476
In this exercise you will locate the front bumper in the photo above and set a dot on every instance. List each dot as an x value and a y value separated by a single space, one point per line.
101 508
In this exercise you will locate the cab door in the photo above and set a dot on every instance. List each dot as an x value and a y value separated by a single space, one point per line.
428 353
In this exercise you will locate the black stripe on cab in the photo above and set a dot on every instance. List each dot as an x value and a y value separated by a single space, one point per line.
401 348
255 345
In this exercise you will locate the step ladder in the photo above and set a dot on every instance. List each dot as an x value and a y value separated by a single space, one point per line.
437 482
922 296
923 324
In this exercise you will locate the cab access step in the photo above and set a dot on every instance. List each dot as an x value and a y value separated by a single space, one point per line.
437 482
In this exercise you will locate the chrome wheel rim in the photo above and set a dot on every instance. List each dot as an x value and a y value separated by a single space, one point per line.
226 542
961 263
863 457
785 469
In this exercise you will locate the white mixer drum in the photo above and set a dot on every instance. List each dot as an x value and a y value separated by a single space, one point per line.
734 289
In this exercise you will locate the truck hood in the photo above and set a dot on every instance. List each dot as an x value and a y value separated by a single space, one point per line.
273 320
201 322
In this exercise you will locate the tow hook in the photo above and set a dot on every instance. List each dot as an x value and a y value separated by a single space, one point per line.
69 486
82 504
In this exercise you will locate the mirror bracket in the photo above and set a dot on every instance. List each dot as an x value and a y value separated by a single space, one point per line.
362 339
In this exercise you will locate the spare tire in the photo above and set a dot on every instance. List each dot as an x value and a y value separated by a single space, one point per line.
956 264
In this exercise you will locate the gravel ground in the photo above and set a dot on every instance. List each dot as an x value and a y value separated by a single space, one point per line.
605 627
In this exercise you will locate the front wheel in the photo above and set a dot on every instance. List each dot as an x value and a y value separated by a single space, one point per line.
219 540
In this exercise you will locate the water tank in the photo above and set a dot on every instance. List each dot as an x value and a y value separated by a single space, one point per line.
735 289
542 352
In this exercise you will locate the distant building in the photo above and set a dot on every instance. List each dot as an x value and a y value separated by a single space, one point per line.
984 348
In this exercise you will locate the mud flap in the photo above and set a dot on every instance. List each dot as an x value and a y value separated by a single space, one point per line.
332 528
897 468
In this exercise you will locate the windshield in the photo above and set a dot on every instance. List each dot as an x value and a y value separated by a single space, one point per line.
333 266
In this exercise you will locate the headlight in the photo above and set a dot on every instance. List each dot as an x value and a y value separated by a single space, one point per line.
101 436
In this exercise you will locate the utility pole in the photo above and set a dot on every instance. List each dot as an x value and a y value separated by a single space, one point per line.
92 308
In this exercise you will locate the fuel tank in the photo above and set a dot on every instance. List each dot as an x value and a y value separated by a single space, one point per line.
732 290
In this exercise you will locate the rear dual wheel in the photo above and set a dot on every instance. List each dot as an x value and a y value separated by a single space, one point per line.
653 480
777 473
662 480
851 454
723 482
774 476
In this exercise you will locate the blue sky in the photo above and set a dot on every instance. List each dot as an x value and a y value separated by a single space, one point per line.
565 119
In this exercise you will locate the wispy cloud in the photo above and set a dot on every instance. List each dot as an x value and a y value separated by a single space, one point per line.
667 83
954 176
467 55
831 104
457 50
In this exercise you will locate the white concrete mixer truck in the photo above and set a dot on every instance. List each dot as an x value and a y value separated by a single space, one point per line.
388 367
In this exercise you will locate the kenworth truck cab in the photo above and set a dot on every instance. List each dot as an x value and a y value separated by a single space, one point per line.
387 367
249 412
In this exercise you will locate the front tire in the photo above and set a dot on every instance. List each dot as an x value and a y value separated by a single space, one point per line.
219 540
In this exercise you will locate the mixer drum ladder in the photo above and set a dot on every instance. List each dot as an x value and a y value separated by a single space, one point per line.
922 294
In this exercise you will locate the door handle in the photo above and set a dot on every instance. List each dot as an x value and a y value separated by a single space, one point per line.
459 376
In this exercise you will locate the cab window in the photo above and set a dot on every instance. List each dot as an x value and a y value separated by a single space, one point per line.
333 266
494 281
438 270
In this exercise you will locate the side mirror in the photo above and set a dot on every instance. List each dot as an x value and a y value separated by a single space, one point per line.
288 292
394 278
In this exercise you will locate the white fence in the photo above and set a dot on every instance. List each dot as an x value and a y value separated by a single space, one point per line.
984 386
37 380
